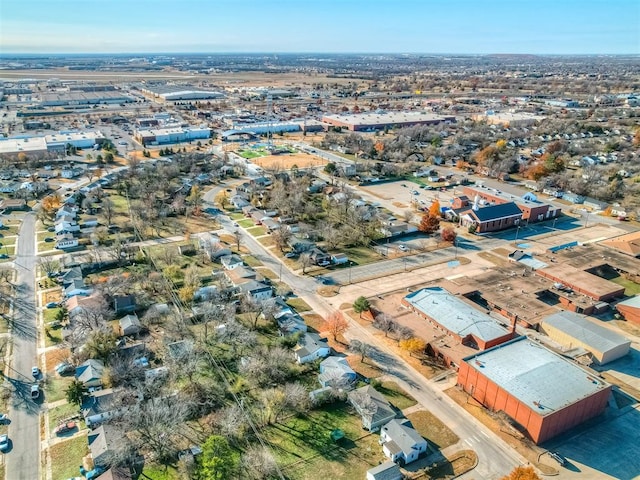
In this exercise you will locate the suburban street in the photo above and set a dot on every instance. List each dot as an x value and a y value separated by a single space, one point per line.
23 460
496 458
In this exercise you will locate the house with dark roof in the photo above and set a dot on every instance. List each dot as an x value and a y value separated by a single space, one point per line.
311 347
77 287
492 218
373 408
98 407
401 443
90 373
124 304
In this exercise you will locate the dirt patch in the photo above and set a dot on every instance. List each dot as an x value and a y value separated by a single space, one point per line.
495 259
329 291
55 356
453 466
400 205
286 161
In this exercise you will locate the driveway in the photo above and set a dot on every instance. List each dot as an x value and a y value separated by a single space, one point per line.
23 461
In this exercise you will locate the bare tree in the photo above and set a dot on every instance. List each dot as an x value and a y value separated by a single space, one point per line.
237 239
305 261
360 348
232 423
107 210
49 265
258 463
385 323
267 365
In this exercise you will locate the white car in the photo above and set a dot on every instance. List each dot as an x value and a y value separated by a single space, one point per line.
35 371
35 391
4 443
403 248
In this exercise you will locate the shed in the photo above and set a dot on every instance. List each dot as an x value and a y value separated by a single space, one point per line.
385 471
130 325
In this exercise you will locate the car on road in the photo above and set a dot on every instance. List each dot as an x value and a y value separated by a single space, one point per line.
65 427
403 248
415 192
4 443
35 371
52 305
35 391
290 255
4 418
404 185
235 224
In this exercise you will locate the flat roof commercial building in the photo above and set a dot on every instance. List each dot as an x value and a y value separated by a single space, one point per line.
55 142
542 392
572 330
163 136
457 318
359 122
509 119
83 98
178 93
630 309
532 209
582 282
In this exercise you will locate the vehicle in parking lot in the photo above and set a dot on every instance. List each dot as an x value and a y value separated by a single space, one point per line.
4 443
52 305
415 192
35 391
49 239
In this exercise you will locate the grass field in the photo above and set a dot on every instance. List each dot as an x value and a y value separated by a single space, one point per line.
430 427
257 231
246 223
66 456
157 472
303 446
58 414
299 304
52 336
55 387
396 395
630 288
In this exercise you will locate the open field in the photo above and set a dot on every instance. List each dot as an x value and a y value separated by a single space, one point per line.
287 160
430 427
303 446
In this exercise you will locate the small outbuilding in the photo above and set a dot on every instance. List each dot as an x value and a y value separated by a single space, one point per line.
130 325
385 471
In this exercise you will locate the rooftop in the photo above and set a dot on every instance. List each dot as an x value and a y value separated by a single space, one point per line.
373 118
629 243
534 375
454 314
579 327
591 285
494 212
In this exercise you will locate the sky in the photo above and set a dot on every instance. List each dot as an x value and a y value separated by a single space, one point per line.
323 26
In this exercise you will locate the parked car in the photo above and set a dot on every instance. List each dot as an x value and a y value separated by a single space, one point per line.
52 305
35 391
4 418
65 427
35 371
49 239
4 443
403 248
64 368
290 255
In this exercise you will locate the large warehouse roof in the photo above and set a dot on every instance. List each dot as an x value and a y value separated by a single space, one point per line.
534 375
454 314
577 326
388 118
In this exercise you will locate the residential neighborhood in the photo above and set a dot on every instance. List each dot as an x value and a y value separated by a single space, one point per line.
237 267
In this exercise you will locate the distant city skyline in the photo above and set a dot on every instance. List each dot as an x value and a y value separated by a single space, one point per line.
331 26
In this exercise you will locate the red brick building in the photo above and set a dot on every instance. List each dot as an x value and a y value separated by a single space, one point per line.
532 209
542 392
630 309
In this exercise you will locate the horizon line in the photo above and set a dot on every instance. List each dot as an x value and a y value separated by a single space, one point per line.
400 53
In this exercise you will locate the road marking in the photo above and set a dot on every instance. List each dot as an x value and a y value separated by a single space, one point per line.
483 433
468 442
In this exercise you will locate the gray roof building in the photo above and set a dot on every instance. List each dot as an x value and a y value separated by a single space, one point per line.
573 331
374 409
90 372
456 316
385 471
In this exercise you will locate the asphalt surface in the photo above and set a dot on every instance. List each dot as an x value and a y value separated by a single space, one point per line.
23 460
495 457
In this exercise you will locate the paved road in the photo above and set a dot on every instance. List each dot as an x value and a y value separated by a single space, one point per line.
496 458
23 461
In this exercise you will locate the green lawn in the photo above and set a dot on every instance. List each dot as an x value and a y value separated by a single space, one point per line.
52 336
249 154
8 240
251 261
246 223
55 386
67 456
631 288
299 304
360 255
303 447
58 414
396 395
257 231
157 472
237 216
42 235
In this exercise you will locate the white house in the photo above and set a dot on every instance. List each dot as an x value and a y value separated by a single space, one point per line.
385 471
373 408
230 262
66 227
401 443
311 347
66 241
